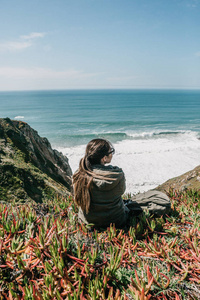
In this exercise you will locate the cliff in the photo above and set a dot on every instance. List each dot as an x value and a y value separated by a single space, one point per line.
189 180
29 168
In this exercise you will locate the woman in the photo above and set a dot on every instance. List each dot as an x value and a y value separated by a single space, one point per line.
98 189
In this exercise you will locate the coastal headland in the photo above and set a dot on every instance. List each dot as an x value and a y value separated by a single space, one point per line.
29 168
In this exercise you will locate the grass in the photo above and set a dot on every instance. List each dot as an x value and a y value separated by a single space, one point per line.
46 254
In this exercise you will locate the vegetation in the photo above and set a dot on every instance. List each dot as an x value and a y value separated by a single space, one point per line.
29 168
46 254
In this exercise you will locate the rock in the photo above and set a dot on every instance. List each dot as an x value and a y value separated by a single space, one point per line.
29 167
189 180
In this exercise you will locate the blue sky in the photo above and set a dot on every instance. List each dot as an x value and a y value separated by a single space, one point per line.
84 44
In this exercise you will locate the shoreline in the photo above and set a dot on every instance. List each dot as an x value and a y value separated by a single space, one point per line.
146 163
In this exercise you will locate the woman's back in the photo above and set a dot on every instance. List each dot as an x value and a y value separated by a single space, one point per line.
106 204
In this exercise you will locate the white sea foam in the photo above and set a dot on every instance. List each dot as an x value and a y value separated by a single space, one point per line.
19 117
154 133
149 162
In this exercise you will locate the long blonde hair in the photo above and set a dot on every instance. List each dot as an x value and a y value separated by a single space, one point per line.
96 149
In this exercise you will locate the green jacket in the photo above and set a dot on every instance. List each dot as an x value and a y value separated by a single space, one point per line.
106 204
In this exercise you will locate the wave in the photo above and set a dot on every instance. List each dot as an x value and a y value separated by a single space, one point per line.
18 117
78 139
119 136
158 134
72 140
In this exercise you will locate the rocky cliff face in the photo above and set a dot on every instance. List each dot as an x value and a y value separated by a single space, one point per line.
189 180
29 167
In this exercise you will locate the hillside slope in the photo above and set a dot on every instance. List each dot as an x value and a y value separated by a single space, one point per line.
189 180
29 167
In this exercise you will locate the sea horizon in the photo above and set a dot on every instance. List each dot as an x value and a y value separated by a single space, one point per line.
105 89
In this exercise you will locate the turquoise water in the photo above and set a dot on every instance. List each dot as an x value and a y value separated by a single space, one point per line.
71 118
156 134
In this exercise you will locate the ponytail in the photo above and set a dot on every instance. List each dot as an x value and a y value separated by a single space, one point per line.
81 182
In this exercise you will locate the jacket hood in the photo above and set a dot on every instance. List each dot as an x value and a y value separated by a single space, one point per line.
107 177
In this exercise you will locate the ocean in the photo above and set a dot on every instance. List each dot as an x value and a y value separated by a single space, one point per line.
156 133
